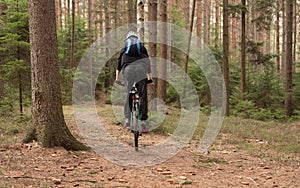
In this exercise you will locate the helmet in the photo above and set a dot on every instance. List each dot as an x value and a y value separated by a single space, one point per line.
131 34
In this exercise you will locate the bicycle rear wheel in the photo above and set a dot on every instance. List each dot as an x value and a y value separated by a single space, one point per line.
136 140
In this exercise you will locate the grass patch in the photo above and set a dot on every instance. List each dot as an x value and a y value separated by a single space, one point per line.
263 138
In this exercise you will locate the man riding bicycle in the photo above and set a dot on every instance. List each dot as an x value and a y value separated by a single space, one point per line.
135 65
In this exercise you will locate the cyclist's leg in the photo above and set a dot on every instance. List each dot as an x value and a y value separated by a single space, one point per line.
128 81
142 87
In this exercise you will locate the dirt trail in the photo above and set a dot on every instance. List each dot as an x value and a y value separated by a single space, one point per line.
29 165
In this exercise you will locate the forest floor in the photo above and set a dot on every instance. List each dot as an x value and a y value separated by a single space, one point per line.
233 161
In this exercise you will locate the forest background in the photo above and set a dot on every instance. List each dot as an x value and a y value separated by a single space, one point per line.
261 65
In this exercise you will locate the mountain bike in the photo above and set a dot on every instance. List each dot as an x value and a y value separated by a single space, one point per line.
135 120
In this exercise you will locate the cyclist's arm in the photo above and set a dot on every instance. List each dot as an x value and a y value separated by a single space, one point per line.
119 65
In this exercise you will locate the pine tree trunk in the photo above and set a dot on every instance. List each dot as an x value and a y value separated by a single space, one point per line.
185 8
58 14
141 18
277 33
48 125
233 35
72 36
199 19
162 69
243 50
217 15
90 22
101 30
283 51
295 36
289 58
77 8
152 49
207 15
226 53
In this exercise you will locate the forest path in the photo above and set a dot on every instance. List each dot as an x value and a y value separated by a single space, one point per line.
29 165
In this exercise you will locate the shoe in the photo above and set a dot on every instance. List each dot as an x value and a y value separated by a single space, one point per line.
144 125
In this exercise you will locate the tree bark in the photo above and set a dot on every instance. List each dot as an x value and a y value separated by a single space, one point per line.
233 35
58 14
199 19
141 18
283 51
295 36
277 33
217 25
207 15
226 53
162 70
72 36
152 49
289 58
243 50
48 124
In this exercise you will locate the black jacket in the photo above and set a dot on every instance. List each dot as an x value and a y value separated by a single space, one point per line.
125 59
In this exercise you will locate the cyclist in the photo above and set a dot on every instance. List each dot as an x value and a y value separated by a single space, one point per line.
135 65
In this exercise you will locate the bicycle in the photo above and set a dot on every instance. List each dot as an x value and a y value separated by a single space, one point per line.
135 120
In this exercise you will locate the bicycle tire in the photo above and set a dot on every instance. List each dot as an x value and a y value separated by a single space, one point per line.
136 140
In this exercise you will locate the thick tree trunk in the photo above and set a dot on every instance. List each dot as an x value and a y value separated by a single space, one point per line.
289 58
48 125
226 53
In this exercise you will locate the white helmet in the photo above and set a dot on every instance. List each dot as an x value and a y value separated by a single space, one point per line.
131 34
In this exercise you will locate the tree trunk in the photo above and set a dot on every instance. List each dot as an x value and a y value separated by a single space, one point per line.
184 5
101 30
283 51
226 53
295 36
72 36
277 33
58 14
48 124
289 58
20 93
199 19
243 50
77 8
233 35
152 48
90 22
141 18
207 15
162 70
217 25
189 38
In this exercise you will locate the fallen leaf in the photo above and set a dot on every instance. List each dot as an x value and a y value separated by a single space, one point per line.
183 177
